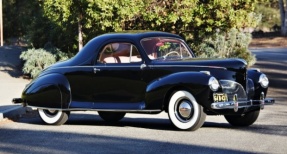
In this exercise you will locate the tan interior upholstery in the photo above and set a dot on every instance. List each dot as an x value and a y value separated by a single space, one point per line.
122 59
110 60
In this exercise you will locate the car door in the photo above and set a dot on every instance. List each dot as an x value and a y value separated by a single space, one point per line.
117 80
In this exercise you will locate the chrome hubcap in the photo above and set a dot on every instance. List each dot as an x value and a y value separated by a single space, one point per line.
50 113
185 109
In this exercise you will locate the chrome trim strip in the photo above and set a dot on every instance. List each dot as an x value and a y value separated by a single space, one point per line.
71 67
254 69
152 66
91 67
200 66
87 109
137 66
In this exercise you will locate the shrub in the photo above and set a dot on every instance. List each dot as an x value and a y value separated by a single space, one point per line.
233 44
38 59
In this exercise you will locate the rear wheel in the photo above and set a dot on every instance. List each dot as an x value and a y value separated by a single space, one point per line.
184 112
53 117
111 116
243 120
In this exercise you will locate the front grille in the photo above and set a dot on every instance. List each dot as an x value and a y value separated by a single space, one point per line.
250 89
231 88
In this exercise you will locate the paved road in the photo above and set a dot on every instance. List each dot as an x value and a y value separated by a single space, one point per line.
11 83
273 62
85 132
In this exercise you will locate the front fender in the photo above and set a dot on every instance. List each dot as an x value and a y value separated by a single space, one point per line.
159 91
254 75
48 91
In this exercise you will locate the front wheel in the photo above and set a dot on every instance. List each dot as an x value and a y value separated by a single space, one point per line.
243 120
184 112
53 117
111 116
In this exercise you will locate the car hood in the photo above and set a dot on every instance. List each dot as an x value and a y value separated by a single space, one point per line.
229 64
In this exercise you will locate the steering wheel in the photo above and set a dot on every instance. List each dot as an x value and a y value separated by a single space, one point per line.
171 52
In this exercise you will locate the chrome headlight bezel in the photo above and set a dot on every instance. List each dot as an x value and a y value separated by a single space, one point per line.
213 84
263 80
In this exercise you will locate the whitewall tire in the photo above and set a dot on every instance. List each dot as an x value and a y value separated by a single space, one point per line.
184 111
53 117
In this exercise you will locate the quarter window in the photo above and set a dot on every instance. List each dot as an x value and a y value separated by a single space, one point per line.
119 53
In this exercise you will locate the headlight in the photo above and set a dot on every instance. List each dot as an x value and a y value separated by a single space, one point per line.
213 84
263 80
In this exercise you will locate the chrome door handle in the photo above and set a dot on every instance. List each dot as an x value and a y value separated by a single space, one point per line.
96 70
143 66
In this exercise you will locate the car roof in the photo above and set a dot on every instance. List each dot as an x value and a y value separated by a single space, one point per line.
93 45
138 34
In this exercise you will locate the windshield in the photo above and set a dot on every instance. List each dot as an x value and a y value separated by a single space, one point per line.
158 48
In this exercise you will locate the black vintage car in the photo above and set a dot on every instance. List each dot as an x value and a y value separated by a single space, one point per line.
148 72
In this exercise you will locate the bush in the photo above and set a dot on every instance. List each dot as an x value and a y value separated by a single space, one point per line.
38 59
233 44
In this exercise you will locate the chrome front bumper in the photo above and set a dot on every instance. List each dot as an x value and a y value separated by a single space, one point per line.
235 104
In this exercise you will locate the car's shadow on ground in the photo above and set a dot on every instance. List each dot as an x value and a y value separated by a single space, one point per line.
95 120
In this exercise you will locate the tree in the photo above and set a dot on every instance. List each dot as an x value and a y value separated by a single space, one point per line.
68 25
67 16
17 14
283 14
192 18
91 17
270 16
196 19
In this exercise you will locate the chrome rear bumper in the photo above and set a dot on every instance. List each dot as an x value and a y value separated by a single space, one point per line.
17 100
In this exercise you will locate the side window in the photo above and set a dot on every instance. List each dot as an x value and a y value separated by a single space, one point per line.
119 53
158 48
172 49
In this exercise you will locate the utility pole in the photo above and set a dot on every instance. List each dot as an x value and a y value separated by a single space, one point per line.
1 23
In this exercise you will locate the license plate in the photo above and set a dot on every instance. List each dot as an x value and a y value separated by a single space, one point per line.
220 97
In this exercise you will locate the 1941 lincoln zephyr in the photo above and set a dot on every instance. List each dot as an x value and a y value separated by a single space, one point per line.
148 72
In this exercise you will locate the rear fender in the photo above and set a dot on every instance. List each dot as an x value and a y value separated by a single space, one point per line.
48 91
159 91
